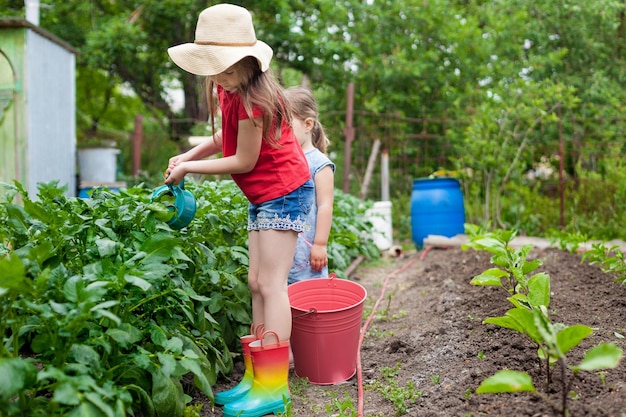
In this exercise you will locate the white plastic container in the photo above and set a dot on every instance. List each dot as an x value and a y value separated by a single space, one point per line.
380 217
97 164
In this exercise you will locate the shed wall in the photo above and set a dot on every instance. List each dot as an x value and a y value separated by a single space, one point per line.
51 122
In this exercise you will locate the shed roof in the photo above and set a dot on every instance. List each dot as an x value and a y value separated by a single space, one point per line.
12 22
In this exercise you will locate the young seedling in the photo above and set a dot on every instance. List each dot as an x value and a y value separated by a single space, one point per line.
342 407
436 379
530 297
401 397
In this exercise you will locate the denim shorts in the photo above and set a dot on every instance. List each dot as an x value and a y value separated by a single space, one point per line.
288 212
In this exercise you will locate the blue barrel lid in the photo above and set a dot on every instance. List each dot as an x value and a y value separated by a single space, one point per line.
437 182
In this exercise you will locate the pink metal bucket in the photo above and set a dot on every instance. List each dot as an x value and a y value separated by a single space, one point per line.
327 314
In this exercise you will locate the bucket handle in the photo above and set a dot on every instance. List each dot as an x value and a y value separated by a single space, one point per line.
312 310
331 277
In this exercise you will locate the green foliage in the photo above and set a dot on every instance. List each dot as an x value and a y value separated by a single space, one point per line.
530 296
611 260
104 309
95 289
401 397
342 407
497 84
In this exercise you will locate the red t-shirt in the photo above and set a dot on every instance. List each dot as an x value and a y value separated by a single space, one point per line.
278 171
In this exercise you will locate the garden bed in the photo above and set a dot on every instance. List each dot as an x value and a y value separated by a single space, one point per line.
426 350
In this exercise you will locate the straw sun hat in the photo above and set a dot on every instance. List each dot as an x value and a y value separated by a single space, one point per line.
224 36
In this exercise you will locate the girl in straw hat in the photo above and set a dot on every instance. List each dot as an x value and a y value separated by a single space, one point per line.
262 154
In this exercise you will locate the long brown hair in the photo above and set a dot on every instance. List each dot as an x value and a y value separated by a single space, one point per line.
258 89
303 105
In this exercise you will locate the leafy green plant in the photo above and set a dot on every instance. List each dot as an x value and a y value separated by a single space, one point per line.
91 290
530 297
104 309
611 260
568 241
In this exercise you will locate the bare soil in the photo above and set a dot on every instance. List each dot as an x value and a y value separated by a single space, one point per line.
427 349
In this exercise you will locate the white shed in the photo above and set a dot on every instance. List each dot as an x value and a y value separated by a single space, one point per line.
37 107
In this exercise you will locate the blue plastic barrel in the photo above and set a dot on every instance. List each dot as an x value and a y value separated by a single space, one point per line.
436 209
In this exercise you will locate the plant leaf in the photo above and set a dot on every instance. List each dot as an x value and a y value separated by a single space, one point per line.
526 320
506 381
539 290
602 356
490 277
18 374
125 335
106 247
530 266
66 393
141 396
571 336
168 363
201 377
506 322
167 395
99 402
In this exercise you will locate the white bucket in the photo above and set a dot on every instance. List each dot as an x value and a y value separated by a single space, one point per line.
97 164
380 217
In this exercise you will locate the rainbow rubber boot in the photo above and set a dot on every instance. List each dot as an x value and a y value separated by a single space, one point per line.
270 389
245 384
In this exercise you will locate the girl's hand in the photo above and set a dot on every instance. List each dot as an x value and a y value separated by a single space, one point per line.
175 173
319 257
173 163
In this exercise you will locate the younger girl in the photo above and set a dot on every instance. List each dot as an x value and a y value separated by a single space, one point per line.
311 260
263 156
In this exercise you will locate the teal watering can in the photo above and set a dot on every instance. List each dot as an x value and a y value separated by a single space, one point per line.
184 205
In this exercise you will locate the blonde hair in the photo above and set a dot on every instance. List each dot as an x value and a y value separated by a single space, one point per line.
303 105
258 89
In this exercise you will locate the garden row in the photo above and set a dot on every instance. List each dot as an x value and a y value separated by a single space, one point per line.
106 311
530 293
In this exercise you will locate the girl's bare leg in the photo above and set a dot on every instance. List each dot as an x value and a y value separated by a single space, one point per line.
253 278
271 256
